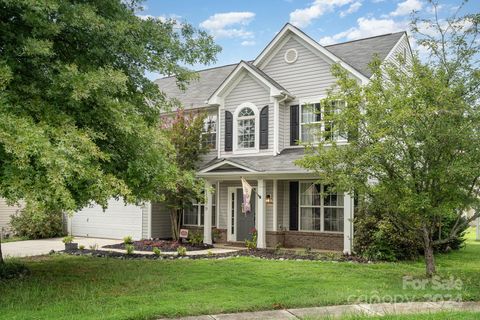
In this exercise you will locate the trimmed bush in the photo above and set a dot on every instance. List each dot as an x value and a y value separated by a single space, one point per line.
38 225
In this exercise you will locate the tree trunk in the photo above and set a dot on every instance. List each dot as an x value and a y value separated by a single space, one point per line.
429 257
175 224
1 254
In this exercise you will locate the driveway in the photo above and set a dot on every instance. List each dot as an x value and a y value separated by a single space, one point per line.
44 246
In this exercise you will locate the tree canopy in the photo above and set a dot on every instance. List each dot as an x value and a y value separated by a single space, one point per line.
79 119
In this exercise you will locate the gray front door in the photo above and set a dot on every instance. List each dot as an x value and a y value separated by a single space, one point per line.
245 222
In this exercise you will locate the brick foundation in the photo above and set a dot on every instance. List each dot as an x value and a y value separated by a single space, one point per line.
222 234
301 239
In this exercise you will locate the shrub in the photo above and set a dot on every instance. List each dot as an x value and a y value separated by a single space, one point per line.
12 269
127 240
37 225
195 239
68 239
81 247
252 244
129 248
93 247
157 251
182 251
377 237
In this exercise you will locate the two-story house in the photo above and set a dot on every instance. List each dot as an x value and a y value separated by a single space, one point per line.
257 112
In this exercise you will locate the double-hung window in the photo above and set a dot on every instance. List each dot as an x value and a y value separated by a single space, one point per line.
316 124
209 132
246 129
194 215
320 208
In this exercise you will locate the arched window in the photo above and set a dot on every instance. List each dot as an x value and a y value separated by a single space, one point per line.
246 129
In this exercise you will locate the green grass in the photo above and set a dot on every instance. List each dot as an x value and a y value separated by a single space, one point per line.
14 239
68 287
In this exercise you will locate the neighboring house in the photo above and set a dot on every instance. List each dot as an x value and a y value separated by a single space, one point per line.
6 212
257 113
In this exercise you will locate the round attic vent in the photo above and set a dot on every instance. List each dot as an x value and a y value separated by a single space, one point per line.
291 56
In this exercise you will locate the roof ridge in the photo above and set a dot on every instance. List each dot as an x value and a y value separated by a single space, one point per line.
201 70
367 38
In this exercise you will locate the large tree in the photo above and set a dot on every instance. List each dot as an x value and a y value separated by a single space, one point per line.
78 118
414 135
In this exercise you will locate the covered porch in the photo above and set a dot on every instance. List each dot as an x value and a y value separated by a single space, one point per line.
288 208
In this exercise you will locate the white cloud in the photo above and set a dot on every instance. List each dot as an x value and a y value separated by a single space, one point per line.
353 8
229 24
161 18
247 43
406 7
366 27
303 17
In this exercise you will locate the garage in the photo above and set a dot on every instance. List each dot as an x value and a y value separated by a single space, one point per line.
117 221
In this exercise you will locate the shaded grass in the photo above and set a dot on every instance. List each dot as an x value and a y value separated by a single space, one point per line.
14 239
69 287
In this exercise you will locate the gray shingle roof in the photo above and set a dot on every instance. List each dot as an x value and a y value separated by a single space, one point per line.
281 163
198 91
359 53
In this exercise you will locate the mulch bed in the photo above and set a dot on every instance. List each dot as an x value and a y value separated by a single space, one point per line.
267 254
163 245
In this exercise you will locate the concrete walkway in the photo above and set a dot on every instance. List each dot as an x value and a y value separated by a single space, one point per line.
381 309
44 246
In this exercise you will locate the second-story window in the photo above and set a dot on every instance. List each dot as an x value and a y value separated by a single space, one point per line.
246 129
209 134
316 124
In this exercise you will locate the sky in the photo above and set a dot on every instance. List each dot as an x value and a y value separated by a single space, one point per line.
244 27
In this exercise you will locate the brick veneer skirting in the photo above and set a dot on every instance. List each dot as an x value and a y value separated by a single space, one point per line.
222 234
302 239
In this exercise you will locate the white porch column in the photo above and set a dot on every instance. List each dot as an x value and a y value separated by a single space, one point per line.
207 219
347 223
275 204
261 216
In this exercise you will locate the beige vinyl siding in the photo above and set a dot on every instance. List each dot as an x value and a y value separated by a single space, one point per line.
401 47
309 76
161 224
248 90
5 212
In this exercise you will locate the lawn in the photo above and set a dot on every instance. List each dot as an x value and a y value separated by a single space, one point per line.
69 287
14 239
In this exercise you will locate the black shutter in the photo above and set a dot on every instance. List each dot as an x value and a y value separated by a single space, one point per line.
294 125
228 131
294 205
264 128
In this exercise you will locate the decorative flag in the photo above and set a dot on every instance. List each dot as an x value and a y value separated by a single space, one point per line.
247 192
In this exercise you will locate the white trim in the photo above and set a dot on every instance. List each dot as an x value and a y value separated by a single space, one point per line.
231 236
288 28
275 205
217 204
219 130
347 223
261 215
256 148
219 164
276 127
149 222
222 90
207 214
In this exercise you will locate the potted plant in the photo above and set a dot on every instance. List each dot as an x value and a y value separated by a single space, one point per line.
69 244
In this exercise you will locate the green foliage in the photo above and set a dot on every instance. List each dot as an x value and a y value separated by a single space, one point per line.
129 248
67 239
93 247
156 251
195 238
12 269
127 240
184 131
181 251
37 224
78 118
252 244
81 247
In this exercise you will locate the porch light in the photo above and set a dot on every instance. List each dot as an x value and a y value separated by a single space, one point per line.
268 199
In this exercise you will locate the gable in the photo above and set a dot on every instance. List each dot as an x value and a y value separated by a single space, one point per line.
308 76
247 90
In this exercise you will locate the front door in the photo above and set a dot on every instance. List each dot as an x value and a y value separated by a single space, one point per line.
245 222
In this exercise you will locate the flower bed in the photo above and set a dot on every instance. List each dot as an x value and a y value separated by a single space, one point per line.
163 245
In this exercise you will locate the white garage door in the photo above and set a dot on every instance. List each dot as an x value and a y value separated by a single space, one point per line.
116 222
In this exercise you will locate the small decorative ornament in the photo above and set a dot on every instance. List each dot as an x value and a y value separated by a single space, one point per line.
291 55
184 233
